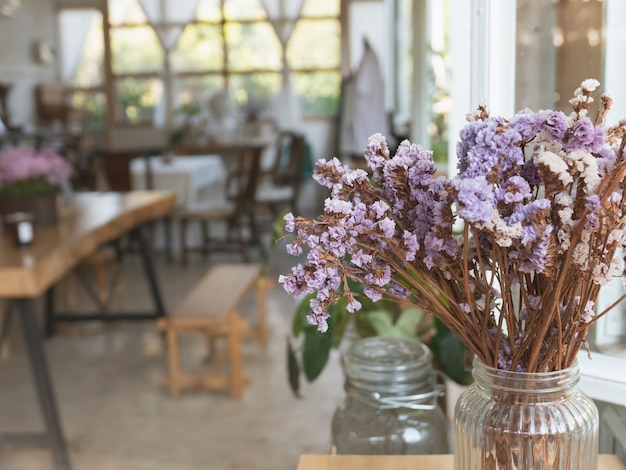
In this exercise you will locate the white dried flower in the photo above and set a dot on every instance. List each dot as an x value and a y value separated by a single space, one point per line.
580 255
556 165
589 85
585 164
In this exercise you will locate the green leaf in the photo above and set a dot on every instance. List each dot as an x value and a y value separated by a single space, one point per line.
449 354
340 318
408 321
294 369
381 322
316 349
299 317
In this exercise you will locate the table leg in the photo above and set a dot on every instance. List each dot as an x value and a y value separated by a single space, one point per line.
45 392
146 257
49 312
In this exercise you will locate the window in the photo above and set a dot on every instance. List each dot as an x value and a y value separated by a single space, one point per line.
166 54
82 69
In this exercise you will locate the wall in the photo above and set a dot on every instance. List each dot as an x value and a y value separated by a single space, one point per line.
33 22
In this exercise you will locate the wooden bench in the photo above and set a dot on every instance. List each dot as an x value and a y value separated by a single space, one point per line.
211 308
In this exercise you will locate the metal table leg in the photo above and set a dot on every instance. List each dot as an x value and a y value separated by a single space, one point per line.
45 393
153 285
146 257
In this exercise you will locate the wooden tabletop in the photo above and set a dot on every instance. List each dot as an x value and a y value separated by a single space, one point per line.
90 221
405 462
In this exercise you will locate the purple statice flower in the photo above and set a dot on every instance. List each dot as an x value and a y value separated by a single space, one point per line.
353 305
525 123
606 159
329 173
398 291
594 205
373 294
294 284
387 227
409 240
337 206
290 222
488 146
536 236
379 275
319 316
475 157
514 190
584 136
530 173
419 163
335 241
476 199
376 154
379 209
361 259
554 122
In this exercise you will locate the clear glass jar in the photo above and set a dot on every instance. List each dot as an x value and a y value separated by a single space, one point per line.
525 421
391 400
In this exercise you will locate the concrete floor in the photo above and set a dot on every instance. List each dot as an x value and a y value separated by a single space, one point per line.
116 414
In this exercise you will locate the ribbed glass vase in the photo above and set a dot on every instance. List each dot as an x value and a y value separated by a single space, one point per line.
525 421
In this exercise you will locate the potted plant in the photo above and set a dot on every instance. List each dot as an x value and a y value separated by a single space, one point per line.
29 182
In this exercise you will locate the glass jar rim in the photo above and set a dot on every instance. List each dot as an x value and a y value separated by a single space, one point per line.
388 365
525 382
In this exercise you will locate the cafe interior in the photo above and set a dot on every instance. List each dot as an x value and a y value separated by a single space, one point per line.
142 326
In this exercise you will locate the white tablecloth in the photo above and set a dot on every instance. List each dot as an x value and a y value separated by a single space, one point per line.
192 178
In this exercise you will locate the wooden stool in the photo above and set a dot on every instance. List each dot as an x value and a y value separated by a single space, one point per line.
211 308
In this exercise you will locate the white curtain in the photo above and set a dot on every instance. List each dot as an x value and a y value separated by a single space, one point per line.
74 26
161 12
283 15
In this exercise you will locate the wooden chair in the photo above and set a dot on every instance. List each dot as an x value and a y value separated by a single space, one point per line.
280 185
236 211
211 309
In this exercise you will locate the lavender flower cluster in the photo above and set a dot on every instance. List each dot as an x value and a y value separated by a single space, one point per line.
541 201
21 164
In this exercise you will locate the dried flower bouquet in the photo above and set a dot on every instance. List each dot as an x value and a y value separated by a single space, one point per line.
510 253
26 171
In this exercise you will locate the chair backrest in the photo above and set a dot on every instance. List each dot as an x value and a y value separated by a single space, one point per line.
242 181
290 159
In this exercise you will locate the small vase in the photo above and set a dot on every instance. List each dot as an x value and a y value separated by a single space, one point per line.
525 421
43 208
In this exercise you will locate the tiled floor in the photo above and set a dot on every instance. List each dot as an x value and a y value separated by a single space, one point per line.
117 415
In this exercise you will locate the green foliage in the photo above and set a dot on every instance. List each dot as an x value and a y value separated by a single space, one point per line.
28 187
405 326
449 353
375 319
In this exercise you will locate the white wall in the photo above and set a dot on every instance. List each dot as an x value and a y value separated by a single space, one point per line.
33 22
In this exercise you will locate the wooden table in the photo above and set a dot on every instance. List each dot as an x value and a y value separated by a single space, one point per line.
192 178
26 273
405 462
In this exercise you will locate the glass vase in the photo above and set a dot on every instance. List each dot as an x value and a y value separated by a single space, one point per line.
525 421
390 405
